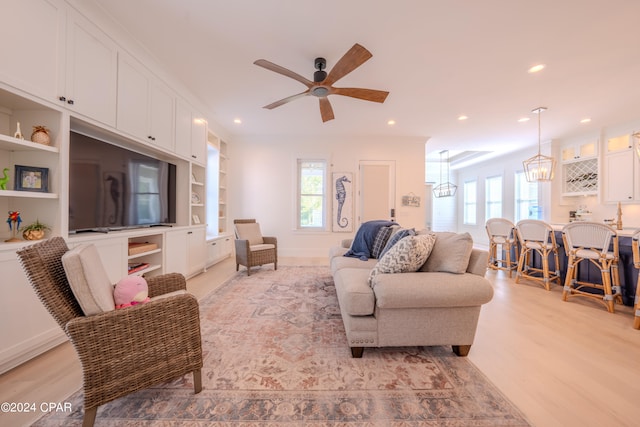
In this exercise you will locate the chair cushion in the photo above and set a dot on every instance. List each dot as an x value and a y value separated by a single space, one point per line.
88 279
251 232
261 247
408 255
450 253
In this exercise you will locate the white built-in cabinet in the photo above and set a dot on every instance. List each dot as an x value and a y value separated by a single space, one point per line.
579 163
190 131
61 71
190 261
51 51
621 171
145 104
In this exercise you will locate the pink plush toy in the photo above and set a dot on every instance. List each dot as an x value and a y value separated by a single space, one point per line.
130 291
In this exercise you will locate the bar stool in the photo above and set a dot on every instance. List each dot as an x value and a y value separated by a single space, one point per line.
501 233
591 241
537 236
635 247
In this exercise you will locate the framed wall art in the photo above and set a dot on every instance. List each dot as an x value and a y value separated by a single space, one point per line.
342 202
31 178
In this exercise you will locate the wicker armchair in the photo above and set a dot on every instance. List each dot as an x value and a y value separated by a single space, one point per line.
125 350
252 248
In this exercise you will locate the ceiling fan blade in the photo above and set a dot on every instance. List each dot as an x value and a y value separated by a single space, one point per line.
281 70
326 111
355 57
286 100
365 94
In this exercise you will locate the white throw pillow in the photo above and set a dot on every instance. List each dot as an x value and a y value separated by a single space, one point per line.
88 279
409 254
250 231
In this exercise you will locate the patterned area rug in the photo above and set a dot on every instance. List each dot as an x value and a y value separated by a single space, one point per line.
276 355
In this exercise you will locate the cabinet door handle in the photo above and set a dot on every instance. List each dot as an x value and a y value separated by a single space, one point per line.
70 102
189 232
62 98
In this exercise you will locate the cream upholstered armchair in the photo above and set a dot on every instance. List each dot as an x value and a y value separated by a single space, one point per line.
252 248
121 350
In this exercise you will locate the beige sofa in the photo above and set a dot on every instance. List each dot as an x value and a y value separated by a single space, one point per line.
422 308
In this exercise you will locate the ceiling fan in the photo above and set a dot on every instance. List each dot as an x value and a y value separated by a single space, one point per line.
322 84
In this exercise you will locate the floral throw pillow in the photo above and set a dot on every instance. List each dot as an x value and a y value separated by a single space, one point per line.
409 254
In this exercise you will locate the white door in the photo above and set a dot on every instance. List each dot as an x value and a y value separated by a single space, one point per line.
377 190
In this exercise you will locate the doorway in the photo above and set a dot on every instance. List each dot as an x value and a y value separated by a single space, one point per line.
377 190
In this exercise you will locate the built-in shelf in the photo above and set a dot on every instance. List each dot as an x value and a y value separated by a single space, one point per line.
10 143
28 194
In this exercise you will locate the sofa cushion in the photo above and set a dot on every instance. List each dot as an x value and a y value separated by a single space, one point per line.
88 279
354 294
380 241
395 238
450 253
340 262
408 255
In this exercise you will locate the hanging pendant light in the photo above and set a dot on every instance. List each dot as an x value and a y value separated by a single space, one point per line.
539 167
444 189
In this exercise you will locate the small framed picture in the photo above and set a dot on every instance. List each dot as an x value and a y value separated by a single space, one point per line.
196 219
30 178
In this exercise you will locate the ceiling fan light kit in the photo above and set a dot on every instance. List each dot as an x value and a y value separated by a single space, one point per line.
322 84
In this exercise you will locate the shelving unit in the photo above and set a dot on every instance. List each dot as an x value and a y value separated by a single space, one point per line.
580 175
222 185
198 195
152 256
32 205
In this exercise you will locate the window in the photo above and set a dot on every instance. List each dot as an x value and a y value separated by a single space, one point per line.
312 198
493 187
469 215
526 198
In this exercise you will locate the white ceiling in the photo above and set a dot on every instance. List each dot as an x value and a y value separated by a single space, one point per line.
439 59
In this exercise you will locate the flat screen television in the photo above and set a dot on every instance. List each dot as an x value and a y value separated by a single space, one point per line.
113 188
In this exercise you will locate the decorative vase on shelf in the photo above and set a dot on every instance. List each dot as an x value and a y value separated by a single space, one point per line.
41 135
18 133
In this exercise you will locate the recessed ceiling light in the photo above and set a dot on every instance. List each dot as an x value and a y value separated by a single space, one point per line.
462 117
585 120
391 122
536 68
237 121
523 119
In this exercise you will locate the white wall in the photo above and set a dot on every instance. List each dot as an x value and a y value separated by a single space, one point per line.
263 182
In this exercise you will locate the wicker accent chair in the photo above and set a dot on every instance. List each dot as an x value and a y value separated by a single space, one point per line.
635 247
537 236
125 350
501 234
591 241
252 248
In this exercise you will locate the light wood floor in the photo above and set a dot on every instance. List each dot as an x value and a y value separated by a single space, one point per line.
562 363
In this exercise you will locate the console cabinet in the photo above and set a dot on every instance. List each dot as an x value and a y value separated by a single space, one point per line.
191 261
580 169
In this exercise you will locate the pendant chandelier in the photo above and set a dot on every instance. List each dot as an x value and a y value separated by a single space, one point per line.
539 167
444 189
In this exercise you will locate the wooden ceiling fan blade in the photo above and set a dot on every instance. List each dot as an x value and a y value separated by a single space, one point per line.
365 94
326 111
286 100
355 57
281 70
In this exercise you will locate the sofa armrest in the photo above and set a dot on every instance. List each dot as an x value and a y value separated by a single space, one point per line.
478 262
346 243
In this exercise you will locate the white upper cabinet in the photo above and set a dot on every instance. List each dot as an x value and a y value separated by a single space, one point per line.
32 48
91 71
145 105
191 133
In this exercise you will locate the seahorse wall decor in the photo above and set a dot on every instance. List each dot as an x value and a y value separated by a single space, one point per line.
341 195
4 179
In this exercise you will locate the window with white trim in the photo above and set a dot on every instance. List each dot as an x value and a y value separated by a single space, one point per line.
526 198
470 202
312 194
493 197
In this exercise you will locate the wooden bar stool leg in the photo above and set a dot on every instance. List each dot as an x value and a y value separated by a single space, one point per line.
569 280
636 305
605 271
616 289
507 249
545 269
521 262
